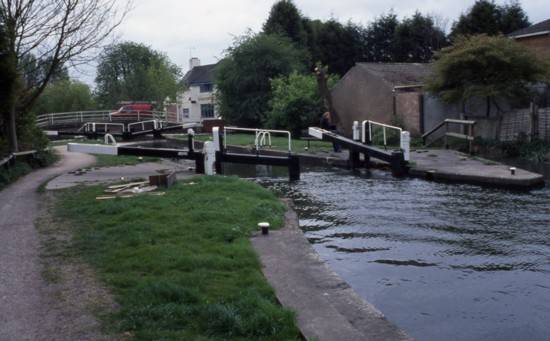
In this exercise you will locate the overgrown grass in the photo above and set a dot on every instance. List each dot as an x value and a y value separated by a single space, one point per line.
21 168
181 266
277 143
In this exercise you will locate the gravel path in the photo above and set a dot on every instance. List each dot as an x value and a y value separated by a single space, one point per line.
26 303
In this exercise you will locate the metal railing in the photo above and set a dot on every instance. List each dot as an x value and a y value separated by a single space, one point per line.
258 135
446 123
92 126
368 132
75 117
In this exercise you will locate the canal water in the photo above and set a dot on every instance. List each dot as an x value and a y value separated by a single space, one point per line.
442 261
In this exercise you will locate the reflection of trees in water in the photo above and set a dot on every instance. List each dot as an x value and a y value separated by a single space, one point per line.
314 214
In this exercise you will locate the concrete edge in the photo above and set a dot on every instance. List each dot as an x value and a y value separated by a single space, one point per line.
479 180
327 308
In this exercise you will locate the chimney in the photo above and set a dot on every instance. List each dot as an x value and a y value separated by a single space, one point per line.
194 62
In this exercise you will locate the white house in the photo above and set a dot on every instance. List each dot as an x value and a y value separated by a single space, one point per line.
198 101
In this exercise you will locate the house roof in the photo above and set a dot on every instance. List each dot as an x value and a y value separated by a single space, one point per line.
200 75
540 28
399 74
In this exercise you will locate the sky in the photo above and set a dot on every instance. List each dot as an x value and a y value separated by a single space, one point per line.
205 28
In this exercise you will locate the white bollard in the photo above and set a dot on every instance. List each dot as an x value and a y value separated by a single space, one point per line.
109 137
406 144
216 138
209 151
356 131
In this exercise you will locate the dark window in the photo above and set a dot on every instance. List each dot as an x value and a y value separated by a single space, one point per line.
185 113
207 110
206 87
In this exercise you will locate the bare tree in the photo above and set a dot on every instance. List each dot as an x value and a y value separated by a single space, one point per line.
45 35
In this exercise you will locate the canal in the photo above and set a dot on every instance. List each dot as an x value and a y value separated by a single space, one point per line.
442 261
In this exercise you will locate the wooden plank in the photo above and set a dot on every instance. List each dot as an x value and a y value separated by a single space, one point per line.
460 136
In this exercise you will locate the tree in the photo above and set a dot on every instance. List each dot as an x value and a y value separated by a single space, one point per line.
285 19
487 67
63 96
135 72
243 77
417 38
339 46
489 18
55 33
296 103
379 38
8 77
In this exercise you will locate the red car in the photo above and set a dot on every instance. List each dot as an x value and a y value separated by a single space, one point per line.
137 111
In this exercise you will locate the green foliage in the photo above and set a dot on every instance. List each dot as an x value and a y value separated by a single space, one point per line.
484 66
63 96
487 17
23 167
134 72
379 37
243 76
285 19
181 266
296 103
417 38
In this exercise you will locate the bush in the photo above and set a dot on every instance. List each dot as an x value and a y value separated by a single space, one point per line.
296 103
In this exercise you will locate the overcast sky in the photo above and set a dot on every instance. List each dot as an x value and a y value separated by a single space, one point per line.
204 28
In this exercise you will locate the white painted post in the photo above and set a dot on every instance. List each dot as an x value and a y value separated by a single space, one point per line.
111 138
406 144
216 138
209 150
356 131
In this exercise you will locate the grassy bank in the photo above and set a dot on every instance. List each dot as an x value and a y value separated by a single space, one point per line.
277 143
23 167
181 266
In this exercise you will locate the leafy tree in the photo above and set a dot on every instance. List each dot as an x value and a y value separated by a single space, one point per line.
132 71
8 78
243 77
339 46
487 67
487 17
296 103
417 38
285 19
54 33
63 96
379 38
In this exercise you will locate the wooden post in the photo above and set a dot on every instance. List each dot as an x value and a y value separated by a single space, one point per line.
218 163
398 166
445 138
354 159
293 167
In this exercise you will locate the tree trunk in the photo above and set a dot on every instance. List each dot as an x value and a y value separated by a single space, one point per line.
12 128
488 110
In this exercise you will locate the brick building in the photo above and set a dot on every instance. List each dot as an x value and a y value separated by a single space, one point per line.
536 38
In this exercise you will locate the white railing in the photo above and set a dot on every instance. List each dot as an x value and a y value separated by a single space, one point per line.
51 119
404 136
261 138
156 124
259 135
92 126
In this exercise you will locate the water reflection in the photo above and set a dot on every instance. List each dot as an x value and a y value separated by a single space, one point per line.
442 261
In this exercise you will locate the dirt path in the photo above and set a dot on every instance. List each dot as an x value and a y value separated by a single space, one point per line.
27 308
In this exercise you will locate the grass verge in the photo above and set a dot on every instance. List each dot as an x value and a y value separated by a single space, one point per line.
277 143
21 168
181 266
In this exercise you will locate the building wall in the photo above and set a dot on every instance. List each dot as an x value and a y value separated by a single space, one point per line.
361 96
192 99
540 45
408 106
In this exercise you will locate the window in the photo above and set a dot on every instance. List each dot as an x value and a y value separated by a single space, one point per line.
185 113
207 87
207 110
